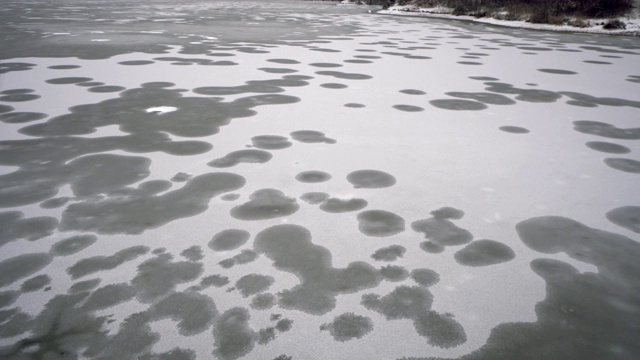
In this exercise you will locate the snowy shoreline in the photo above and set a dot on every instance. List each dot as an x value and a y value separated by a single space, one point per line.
632 24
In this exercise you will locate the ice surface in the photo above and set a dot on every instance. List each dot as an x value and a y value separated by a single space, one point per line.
289 179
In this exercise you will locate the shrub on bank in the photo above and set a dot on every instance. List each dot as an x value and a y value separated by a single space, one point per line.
535 11
614 24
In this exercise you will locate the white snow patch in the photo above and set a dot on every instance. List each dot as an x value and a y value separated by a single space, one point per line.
161 109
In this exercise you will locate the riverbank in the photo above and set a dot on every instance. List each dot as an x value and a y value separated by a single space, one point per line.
574 25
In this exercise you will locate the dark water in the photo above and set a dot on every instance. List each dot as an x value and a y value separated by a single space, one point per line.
300 180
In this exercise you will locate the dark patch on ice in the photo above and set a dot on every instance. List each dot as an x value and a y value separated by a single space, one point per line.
389 253
627 217
514 129
633 79
413 92
528 95
214 280
414 303
194 61
90 83
454 104
311 136
326 50
230 239
14 226
590 315
425 277
558 71
597 62
469 63
253 284
408 108
278 70
337 205
135 211
17 91
94 264
325 65
244 257
230 197
354 105
272 86
265 204
84 286
394 273
441 330
367 57
109 296
626 165
21 117
8 297
297 77
19 97
136 62
283 357
271 142
606 130
6 108
448 212
284 325
333 86
313 176
241 156
35 283
160 275
357 61
194 312
608 147
483 97
73 245
174 354
593 101
181 177
534 48
266 335
128 111
94 174
380 223
21 266
291 249
314 198
581 103
68 80
263 301
483 253
346 76
233 336
348 326
193 253
283 61
106 89
370 179
441 231
483 78
7 67
63 67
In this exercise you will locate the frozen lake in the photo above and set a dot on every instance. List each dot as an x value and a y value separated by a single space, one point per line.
299 180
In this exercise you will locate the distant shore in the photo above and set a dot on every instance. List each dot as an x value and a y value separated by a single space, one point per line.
594 26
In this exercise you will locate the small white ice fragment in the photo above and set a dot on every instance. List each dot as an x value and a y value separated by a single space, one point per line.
161 109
